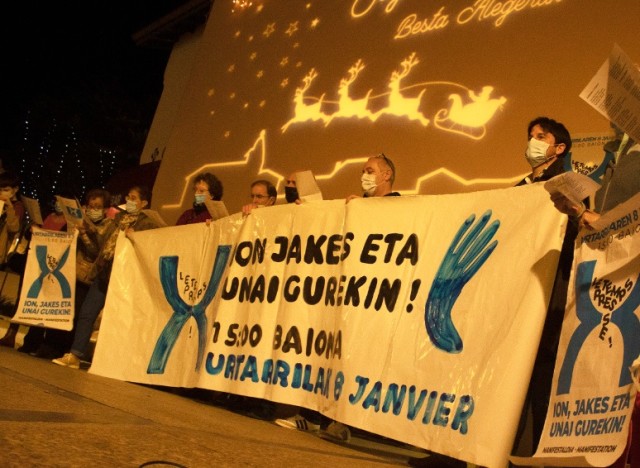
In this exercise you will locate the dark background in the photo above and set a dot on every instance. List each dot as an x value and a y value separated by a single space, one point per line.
79 95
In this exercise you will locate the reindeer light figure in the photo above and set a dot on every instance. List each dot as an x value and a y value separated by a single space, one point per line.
398 104
304 112
348 107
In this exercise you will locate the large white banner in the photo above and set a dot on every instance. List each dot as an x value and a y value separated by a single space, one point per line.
48 288
593 393
417 318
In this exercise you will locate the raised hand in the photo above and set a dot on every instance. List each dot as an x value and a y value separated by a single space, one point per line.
463 259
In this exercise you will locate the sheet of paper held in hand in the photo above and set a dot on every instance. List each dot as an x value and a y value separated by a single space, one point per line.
33 208
216 208
85 216
576 187
308 189
155 216
615 92
72 211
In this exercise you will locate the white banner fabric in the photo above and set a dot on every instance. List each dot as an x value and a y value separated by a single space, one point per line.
593 394
417 318
47 295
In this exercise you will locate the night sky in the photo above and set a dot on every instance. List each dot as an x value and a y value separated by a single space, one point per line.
75 56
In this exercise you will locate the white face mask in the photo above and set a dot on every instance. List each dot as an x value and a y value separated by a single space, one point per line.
368 183
95 215
200 198
132 208
536 152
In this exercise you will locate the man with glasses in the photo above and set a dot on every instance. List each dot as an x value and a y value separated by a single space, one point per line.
263 193
378 175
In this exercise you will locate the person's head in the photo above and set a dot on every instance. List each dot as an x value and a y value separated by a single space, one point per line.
97 202
291 188
378 175
548 140
138 199
9 185
206 186
263 193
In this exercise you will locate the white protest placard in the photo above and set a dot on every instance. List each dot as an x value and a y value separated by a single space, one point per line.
155 216
307 186
576 187
216 208
614 91
48 288
33 208
72 211
593 391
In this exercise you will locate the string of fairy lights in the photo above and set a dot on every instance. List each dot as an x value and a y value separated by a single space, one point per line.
51 164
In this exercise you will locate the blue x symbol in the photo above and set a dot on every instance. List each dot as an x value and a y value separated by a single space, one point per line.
41 256
182 311
623 317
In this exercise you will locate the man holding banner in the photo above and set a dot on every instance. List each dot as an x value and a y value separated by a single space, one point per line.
621 181
594 400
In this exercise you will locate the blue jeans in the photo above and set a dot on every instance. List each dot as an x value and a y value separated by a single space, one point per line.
91 307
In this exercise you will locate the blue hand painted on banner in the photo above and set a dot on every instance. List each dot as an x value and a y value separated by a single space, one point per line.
41 257
182 311
462 260
623 317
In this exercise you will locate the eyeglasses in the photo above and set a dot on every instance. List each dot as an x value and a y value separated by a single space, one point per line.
388 161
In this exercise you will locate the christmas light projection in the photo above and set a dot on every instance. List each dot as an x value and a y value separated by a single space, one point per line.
463 118
258 151
274 47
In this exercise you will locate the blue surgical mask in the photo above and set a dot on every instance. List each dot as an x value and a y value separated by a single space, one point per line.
132 207
200 198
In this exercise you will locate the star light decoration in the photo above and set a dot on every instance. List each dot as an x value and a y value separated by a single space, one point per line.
272 74
240 5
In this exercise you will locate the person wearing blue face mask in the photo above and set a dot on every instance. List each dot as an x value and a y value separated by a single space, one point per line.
206 186
134 219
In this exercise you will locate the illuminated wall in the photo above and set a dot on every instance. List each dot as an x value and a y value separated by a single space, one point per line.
444 88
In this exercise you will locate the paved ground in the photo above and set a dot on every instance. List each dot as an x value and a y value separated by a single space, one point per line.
54 416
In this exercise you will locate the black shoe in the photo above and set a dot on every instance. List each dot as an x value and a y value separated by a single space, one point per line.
31 350
48 352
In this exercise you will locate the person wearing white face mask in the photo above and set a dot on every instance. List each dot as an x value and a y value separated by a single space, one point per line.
378 175
549 142
133 219
206 186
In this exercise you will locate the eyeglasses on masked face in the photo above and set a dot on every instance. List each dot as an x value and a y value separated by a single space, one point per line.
388 161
